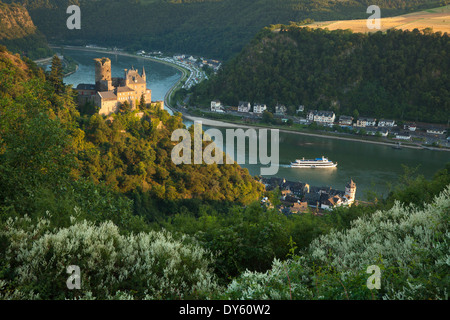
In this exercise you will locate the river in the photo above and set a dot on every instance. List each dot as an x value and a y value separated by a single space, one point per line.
372 167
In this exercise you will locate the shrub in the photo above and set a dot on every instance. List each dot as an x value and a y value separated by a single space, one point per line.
113 266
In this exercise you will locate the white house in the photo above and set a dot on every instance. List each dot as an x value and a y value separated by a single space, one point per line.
244 106
410 127
386 123
259 108
436 131
216 106
403 136
366 122
321 116
280 110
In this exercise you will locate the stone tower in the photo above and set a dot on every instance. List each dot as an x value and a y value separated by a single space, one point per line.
103 79
350 191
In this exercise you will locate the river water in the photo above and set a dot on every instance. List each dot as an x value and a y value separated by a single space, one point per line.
372 167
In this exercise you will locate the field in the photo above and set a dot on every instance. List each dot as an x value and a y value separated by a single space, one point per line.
438 19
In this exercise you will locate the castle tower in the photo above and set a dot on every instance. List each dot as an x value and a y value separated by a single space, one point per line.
103 80
143 74
350 191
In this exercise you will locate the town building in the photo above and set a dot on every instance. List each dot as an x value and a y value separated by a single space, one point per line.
366 122
403 136
110 93
259 108
301 108
216 106
244 106
410 127
321 116
435 131
345 120
383 132
386 123
280 110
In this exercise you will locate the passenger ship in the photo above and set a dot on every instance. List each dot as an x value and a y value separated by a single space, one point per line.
313 163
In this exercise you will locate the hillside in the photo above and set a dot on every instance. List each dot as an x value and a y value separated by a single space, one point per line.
213 28
19 34
398 74
437 19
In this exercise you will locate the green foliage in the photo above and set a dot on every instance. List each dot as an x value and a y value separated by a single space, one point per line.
399 74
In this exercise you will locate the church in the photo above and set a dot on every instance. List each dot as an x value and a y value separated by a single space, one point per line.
110 93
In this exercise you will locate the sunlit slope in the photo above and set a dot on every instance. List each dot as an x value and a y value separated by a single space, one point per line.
438 19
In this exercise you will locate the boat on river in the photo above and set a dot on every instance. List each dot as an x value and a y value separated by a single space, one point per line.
316 163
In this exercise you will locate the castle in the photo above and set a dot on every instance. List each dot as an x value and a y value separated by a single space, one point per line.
110 93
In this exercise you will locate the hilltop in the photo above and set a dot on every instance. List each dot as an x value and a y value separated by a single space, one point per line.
437 19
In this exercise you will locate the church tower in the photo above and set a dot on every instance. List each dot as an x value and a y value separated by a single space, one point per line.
350 191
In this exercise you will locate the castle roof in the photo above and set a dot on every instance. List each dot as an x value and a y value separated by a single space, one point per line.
85 86
107 95
124 89
133 76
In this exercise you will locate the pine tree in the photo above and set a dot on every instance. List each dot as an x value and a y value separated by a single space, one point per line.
142 103
56 74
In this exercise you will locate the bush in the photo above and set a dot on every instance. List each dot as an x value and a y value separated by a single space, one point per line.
137 266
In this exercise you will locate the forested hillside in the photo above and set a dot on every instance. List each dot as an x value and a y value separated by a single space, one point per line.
218 28
19 34
399 74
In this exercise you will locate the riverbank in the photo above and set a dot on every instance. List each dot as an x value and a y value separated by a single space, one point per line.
230 124
67 65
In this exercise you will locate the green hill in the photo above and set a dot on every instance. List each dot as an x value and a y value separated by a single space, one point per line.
214 28
19 34
398 74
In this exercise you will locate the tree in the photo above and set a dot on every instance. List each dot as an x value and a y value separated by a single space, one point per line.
142 103
125 107
56 74
267 117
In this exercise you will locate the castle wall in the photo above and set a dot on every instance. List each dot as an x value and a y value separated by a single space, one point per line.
108 107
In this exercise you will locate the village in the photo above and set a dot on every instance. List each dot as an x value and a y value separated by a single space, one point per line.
300 197
420 133
193 64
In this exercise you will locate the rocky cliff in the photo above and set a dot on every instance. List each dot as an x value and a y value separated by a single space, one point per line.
19 34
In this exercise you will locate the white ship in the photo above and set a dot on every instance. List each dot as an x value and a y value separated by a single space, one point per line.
313 163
